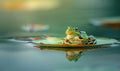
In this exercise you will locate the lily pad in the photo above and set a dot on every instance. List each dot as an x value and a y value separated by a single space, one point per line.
49 41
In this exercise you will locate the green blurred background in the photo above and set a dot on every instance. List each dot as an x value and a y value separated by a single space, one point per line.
62 14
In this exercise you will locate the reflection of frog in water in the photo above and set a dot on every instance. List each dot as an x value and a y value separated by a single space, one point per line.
74 36
74 55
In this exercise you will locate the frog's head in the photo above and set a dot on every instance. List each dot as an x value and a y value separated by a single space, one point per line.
70 31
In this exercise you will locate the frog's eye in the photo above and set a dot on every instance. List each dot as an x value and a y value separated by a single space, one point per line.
76 28
68 27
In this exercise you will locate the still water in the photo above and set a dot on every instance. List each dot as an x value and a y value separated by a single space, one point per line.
19 56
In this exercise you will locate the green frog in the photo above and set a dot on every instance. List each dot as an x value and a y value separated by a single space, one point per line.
74 36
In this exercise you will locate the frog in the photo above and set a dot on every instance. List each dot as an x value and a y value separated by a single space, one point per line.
73 36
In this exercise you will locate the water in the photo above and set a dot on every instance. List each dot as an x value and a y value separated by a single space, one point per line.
18 56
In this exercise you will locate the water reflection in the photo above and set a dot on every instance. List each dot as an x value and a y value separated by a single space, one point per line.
72 54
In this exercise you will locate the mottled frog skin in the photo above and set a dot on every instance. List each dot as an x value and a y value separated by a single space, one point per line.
74 36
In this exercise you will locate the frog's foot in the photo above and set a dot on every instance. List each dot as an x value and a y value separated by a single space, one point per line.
92 41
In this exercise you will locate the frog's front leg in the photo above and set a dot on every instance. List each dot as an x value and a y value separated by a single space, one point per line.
66 41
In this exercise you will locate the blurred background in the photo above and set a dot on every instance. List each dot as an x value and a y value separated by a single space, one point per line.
57 14
100 18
